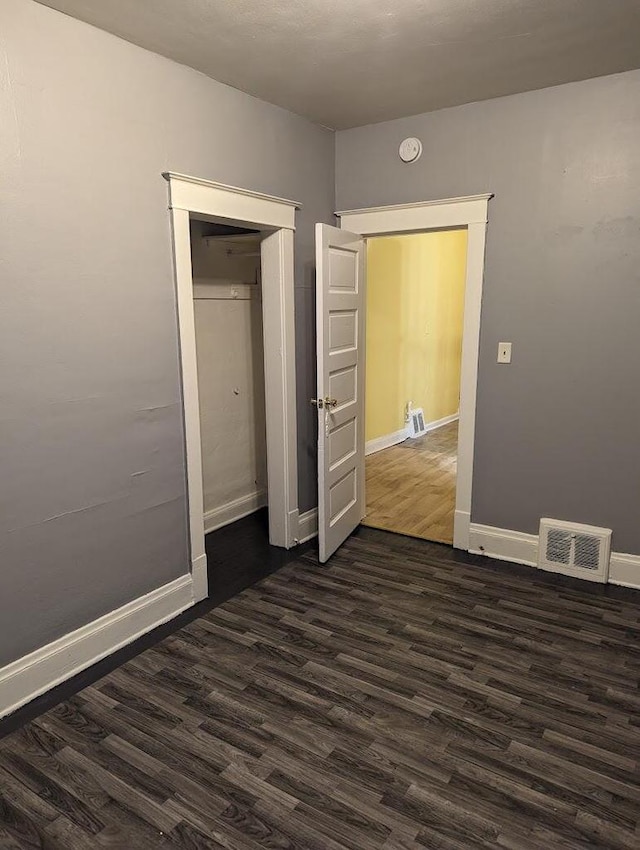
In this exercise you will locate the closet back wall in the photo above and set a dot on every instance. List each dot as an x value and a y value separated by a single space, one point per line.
230 376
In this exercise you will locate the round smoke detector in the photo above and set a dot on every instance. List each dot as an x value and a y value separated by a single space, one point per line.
410 150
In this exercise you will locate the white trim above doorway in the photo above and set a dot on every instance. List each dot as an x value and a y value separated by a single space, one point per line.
470 212
275 218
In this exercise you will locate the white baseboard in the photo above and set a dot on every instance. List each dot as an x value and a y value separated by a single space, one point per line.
32 675
385 442
440 423
624 570
503 544
307 525
506 545
232 511
388 440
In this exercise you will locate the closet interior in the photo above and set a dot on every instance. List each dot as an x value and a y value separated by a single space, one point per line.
227 297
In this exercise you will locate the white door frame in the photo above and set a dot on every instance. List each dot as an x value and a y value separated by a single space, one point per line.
275 217
470 212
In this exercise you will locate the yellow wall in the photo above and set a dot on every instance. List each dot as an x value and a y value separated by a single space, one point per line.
415 303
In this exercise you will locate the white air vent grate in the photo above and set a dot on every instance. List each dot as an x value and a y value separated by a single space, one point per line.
574 550
416 423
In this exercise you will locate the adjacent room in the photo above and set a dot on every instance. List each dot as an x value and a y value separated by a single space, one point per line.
319 504
415 311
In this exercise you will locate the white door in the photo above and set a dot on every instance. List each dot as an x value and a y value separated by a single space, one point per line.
340 316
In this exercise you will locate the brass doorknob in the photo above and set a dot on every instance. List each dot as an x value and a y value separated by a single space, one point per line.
323 402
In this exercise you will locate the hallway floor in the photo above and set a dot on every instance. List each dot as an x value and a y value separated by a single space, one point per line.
411 487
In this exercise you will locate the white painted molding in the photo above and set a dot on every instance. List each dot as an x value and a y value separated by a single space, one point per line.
28 677
424 215
463 199
234 510
470 212
625 570
275 217
206 197
278 330
385 442
307 525
199 578
476 241
505 545
190 395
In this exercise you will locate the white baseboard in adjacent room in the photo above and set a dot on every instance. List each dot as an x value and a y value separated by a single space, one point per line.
388 440
39 671
232 511
506 545
440 423
385 442
307 525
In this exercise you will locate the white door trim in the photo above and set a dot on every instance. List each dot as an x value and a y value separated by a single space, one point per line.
275 217
470 212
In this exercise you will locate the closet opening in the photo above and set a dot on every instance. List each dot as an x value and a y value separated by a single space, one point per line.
227 306
236 245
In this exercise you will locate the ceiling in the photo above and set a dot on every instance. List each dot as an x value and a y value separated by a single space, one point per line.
344 63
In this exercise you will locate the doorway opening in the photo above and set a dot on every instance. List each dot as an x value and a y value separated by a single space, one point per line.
415 291
212 226
341 354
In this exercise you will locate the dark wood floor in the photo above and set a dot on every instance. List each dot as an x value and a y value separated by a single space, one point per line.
238 556
402 696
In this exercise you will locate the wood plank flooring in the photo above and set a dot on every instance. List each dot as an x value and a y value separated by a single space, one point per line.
404 696
238 556
411 487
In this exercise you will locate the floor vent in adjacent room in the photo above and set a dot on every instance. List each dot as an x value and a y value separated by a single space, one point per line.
417 427
574 550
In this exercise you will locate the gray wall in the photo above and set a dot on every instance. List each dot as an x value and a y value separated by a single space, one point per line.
558 431
92 489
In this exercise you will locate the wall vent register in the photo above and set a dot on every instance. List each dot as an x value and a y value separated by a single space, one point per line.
417 427
576 550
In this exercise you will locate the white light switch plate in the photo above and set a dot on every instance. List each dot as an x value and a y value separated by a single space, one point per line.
504 352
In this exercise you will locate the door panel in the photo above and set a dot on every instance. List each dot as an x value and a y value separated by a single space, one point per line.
340 294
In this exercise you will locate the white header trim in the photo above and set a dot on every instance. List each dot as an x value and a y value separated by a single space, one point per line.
212 184
407 218
418 204
206 197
